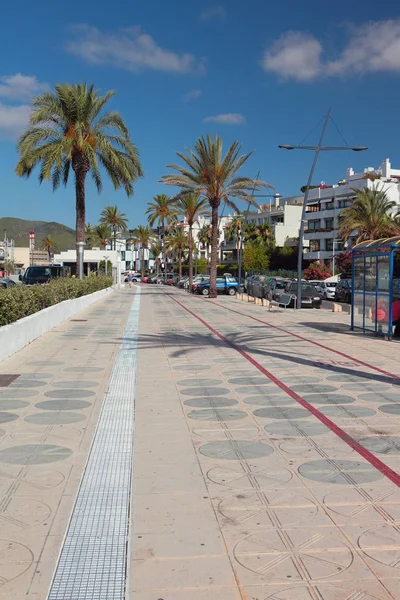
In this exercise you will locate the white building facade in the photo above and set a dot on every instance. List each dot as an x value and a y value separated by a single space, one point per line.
326 202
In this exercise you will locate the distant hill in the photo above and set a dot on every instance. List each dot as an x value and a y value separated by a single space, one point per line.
18 230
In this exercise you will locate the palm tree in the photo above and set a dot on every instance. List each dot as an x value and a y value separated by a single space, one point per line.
191 207
67 129
234 231
50 246
142 236
156 250
90 235
213 176
204 236
368 215
116 220
102 235
177 242
161 212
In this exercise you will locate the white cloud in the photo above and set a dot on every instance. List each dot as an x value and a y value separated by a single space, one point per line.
227 119
215 12
13 120
295 55
372 47
129 49
20 87
192 95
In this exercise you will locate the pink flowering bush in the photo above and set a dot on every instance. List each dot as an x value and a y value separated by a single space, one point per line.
318 271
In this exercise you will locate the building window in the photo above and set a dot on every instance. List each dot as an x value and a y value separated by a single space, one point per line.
329 245
313 208
329 205
314 245
329 223
344 203
123 255
314 225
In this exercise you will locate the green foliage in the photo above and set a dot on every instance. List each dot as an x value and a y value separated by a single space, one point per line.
22 300
317 271
102 266
343 262
116 220
202 265
284 258
255 258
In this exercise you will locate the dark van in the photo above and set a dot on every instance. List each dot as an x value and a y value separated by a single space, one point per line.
34 275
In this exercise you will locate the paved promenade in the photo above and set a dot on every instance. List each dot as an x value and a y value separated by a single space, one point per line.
266 456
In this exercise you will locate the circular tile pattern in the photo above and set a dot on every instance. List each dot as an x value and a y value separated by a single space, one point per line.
350 377
54 418
281 412
25 376
389 445
34 454
210 402
199 381
83 369
232 359
6 417
269 400
253 389
290 380
296 428
45 363
2 432
69 393
249 380
193 368
74 384
366 387
234 478
313 387
328 399
17 393
13 404
382 544
238 372
320 590
239 450
381 397
204 391
26 383
63 404
390 409
354 412
340 471
217 415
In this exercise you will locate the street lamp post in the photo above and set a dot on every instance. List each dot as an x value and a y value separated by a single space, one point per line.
316 150
335 241
80 255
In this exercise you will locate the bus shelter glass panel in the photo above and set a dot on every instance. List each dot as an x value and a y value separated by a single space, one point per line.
358 292
381 311
370 293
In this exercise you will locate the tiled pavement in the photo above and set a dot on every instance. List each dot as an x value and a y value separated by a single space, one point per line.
238 491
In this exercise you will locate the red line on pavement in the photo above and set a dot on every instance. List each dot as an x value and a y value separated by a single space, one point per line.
371 458
304 339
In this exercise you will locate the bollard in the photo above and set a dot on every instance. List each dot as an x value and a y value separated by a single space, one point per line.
265 302
336 307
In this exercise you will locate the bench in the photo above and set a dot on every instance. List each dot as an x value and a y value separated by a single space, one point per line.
284 301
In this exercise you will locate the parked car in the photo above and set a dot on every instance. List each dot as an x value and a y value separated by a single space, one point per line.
273 287
327 288
225 285
40 275
309 295
343 291
135 276
181 282
145 279
6 283
247 283
255 286
198 279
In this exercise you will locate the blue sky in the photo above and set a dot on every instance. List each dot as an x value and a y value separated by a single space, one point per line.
260 72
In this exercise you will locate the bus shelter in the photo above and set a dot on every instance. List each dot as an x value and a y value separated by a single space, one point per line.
376 287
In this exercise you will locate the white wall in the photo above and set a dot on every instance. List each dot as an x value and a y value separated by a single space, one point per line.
16 336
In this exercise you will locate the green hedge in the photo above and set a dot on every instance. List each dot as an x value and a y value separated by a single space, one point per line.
22 300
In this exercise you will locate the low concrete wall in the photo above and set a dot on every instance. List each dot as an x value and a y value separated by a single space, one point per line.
15 336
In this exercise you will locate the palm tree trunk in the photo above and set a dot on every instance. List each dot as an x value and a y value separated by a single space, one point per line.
142 261
115 239
214 248
81 166
180 262
190 244
164 255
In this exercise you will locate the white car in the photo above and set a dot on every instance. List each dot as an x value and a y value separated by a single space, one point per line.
327 288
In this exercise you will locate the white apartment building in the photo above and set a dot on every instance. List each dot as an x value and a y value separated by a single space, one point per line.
325 203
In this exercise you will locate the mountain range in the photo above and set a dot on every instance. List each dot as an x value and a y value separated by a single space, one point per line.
18 230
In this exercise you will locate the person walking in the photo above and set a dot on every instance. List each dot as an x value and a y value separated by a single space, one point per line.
130 279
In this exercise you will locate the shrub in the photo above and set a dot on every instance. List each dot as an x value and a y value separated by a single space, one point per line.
255 258
22 300
318 271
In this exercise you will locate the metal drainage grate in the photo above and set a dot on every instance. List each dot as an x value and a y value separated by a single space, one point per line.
92 564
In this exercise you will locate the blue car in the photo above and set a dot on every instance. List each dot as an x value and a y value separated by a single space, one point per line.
225 285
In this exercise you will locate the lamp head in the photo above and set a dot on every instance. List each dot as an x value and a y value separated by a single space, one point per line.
286 147
359 148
